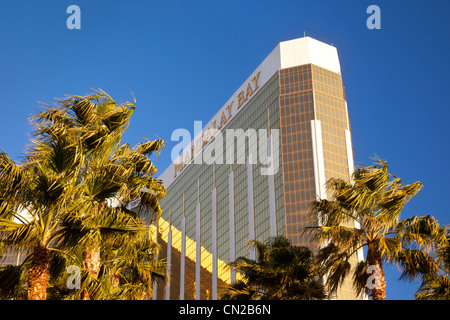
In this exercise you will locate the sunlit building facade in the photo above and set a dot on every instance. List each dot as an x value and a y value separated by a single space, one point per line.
293 113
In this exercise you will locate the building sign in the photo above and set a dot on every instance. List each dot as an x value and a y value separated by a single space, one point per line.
239 100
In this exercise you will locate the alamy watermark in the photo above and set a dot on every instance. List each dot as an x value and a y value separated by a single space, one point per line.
74 280
226 147
374 280
74 20
374 20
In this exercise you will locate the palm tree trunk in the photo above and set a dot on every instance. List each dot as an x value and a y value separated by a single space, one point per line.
378 292
39 274
91 262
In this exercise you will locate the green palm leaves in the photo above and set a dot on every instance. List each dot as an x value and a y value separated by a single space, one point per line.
365 214
77 184
281 271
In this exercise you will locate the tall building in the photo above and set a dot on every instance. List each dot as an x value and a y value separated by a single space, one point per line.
251 172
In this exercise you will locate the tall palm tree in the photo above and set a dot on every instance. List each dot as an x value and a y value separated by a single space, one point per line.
88 180
33 195
365 213
113 173
280 272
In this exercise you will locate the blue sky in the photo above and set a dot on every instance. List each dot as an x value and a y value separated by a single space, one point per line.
184 59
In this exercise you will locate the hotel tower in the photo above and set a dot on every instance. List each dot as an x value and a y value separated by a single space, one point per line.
252 171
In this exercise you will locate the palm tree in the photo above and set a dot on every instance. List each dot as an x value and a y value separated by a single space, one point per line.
113 174
365 213
33 195
281 271
128 269
78 182
432 269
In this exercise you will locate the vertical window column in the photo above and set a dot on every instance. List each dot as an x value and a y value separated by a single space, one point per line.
169 260
214 243
183 250
348 146
232 226
271 176
319 167
271 180
251 209
198 246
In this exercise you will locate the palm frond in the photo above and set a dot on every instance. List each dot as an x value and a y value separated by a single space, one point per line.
334 265
389 247
416 263
435 288
12 282
421 231
19 235
13 179
360 277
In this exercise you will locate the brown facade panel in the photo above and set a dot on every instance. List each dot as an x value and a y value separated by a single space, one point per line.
296 112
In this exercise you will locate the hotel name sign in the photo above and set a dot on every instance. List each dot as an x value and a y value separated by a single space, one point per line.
218 123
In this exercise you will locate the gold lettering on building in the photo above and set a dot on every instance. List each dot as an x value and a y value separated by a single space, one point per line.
197 145
255 80
223 120
243 96
178 167
207 136
228 107
249 91
241 99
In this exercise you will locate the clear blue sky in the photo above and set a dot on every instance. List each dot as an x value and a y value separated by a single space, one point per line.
184 59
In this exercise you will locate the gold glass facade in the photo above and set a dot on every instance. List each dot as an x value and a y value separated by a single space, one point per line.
288 102
296 113
191 197
308 93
